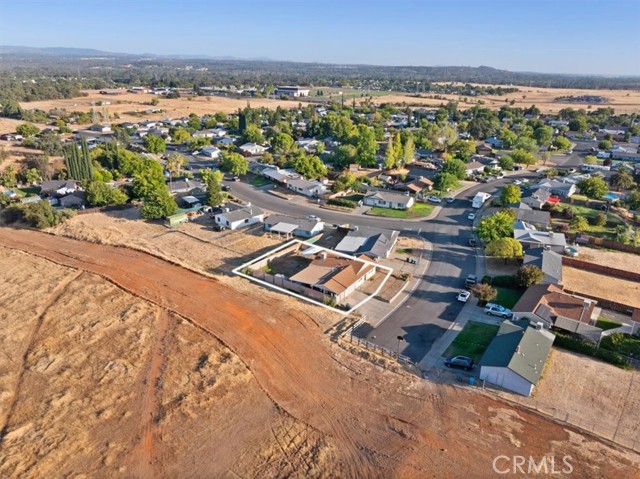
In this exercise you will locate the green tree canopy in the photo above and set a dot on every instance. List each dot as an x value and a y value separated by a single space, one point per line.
390 160
497 225
510 194
180 135
579 224
234 163
504 248
309 166
523 157
506 162
529 275
445 181
253 134
158 204
594 187
27 130
154 144
590 160
561 143
543 135
455 167
622 180
366 146
283 144
101 194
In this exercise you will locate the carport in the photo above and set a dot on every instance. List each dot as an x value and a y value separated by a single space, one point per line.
285 229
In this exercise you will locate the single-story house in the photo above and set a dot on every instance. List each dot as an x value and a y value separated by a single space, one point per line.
549 305
419 185
548 261
538 218
211 152
287 225
224 141
536 198
186 186
530 237
388 199
280 176
558 188
474 167
72 200
335 276
239 217
484 150
494 142
101 128
372 242
294 91
516 356
307 144
307 188
58 187
252 149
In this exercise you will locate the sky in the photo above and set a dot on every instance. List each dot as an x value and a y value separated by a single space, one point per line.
550 36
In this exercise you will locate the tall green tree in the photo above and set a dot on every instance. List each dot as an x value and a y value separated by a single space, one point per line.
594 187
497 225
455 167
366 146
510 194
529 275
390 155
252 134
154 144
622 180
234 163
523 157
409 150
309 166
101 194
504 248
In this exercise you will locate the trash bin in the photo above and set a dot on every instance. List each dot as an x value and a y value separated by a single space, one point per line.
472 380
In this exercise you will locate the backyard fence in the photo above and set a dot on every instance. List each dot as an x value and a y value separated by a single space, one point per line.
602 243
600 269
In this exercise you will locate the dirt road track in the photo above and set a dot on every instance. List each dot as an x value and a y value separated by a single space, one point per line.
390 429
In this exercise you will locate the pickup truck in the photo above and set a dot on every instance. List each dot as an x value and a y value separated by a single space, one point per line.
471 280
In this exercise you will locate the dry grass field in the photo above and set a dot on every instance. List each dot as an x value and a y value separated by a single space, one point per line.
118 364
601 286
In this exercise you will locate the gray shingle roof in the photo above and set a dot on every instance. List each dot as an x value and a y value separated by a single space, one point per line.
369 241
389 196
520 348
548 261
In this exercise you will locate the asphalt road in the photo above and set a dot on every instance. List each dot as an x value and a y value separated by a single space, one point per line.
432 307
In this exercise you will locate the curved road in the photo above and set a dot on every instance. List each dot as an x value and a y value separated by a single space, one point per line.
432 307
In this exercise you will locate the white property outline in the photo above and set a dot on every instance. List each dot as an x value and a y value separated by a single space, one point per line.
300 296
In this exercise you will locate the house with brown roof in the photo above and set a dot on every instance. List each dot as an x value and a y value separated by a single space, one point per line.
335 276
550 305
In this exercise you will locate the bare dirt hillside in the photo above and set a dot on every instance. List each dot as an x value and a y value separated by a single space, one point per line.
190 378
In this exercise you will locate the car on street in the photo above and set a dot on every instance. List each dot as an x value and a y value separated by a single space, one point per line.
463 296
500 176
496 310
460 362
434 199
225 188
235 178
473 242
471 216
471 280
450 200
313 218
517 182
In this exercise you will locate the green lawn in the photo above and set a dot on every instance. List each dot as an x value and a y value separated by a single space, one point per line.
259 181
34 190
419 210
507 297
404 250
605 324
607 231
472 341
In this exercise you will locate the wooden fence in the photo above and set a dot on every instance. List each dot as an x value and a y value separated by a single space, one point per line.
601 269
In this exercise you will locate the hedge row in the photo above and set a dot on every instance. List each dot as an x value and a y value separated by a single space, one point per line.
342 202
590 349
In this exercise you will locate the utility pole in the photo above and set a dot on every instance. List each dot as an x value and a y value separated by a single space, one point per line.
400 339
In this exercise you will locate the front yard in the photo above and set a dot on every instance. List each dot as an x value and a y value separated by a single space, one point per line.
472 341
508 297
419 210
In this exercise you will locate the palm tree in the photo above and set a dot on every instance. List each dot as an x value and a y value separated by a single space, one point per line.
174 166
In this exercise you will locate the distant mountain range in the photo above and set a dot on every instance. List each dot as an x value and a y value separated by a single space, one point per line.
67 52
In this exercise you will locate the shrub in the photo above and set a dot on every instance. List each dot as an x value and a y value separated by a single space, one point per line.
342 202
486 279
329 301
583 347
600 219
621 343
568 213
484 293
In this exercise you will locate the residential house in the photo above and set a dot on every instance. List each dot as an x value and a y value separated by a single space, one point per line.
72 200
494 142
186 185
224 141
335 276
287 225
530 237
239 217
536 198
388 199
558 188
474 167
279 175
549 305
307 144
548 261
484 150
312 189
101 128
540 219
419 185
372 242
58 187
516 356
252 149
211 152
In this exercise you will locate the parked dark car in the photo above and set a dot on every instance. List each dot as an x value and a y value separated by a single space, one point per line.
473 242
219 228
460 362
226 188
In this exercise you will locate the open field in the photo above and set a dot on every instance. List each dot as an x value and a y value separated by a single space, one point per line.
172 107
589 393
601 286
622 101
611 258
223 383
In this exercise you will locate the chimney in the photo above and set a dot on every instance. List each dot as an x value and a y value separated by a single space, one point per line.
518 349
539 326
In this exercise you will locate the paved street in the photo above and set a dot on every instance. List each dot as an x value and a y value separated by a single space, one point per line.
429 312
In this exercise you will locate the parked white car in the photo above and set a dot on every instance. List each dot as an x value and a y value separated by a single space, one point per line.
463 296
471 216
434 199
